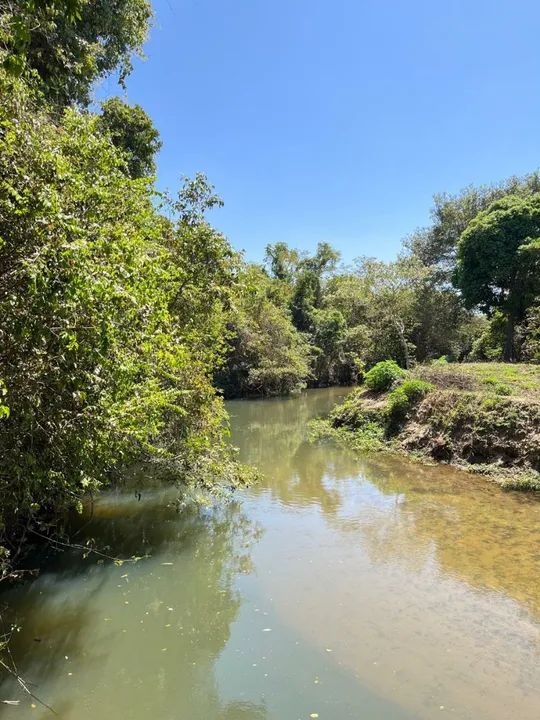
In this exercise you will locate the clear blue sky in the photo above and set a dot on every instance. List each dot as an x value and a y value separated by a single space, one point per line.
338 120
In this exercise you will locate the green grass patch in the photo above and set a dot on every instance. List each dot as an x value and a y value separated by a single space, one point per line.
482 415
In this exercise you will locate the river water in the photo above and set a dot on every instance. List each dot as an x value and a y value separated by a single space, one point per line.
338 587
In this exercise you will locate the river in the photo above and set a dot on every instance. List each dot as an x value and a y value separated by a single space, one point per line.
337 587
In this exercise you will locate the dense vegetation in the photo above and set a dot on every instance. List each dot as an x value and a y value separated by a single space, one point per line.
113 299
122 310
466 288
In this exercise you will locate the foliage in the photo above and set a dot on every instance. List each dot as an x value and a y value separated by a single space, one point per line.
498 261
354 318
308 283
489 344
196 197
404 397
531 331
329 332
111 321
415 389
367 437
131 130
436 245
383 375
484 417
281 261
71 44
267 355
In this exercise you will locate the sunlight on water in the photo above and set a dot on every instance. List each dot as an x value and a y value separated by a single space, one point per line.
338 588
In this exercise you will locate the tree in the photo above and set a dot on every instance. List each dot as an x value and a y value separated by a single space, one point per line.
498 261
323 262
112 318
267 355
390 290
71 44
131 131
311 274
328 336
531 346
195 198
436 245
281 261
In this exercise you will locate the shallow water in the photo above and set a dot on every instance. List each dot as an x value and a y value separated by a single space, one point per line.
338 587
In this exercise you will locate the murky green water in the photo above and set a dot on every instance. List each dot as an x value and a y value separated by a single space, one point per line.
338 588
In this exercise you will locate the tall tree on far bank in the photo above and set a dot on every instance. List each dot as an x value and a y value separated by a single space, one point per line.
498 261
436 246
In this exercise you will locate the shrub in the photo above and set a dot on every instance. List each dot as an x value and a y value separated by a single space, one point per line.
383 375
398 406
111 323
415 389
443 360
401 400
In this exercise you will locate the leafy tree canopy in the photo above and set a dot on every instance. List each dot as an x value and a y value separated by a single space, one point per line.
132 131
498 260
112 321
71 44
436 245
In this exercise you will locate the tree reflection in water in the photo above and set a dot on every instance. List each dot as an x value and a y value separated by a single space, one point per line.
471 528
141 640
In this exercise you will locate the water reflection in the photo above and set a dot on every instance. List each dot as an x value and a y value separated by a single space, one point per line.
272 436
140 640
339 586
424 581
489 539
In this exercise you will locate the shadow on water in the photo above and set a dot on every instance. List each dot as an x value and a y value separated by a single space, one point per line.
140 639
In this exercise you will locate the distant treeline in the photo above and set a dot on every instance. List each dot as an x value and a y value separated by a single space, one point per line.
465 288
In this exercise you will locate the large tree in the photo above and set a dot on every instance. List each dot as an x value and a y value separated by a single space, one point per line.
498 261
436 245
112 317
71 44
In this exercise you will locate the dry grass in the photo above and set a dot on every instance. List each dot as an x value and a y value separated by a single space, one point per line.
511 379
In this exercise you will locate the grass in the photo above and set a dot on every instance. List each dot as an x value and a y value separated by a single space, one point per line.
519 379
482 416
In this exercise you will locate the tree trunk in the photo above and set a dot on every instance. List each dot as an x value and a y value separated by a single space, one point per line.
508 350
400 327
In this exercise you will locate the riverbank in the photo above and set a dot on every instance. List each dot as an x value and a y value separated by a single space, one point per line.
483 417
226 616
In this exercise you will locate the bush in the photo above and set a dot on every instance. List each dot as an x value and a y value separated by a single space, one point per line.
383 375
398 406
415 390
401 400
